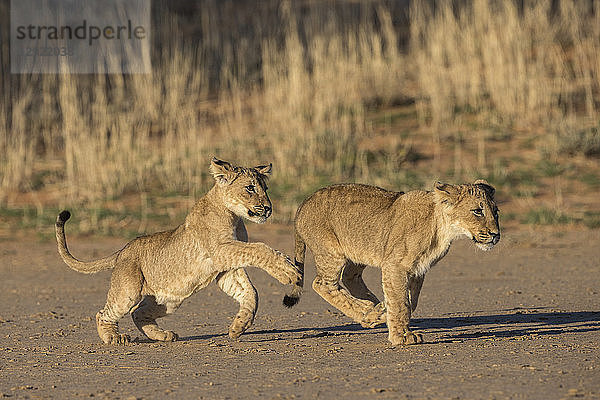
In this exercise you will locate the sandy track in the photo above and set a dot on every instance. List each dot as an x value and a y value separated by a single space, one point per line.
521 321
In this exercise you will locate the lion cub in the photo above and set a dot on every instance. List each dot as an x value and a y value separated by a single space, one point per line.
348 227
153 274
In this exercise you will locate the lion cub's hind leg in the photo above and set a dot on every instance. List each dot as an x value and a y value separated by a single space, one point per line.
109 331
327 285
123 295
145 315
352 279
237 285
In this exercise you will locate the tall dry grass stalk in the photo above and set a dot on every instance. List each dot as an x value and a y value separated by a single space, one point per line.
533 66
303 108
291 85
511 63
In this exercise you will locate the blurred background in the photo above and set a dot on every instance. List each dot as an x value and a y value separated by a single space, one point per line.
392 93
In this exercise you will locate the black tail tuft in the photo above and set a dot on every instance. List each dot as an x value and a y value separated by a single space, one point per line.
293 297
290 301
63 217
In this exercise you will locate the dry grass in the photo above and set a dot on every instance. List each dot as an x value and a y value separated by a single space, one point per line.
113 134
523 67
300 95
530 67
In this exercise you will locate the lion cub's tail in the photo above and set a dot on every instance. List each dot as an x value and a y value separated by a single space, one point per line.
79 266
291 299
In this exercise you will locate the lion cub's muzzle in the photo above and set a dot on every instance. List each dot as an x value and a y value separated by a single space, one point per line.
495 237
486 240
263 211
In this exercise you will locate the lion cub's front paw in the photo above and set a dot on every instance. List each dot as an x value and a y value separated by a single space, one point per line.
242 321
285 259
116 338
407 338
292 274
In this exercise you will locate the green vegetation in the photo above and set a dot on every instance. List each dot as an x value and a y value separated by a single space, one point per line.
545 216
591 219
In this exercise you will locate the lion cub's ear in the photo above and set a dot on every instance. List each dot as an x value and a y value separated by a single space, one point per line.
448 192
447 188
485 186
221 170
264 169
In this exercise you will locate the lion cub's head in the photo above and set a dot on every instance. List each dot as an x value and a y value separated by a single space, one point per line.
472 209
244 190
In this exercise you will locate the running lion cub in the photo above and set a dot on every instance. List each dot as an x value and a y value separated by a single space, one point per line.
348 227
153 274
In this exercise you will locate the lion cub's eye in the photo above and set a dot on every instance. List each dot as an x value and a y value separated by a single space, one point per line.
478 212
250 189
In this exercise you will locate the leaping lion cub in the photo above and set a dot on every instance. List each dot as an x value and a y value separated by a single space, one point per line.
348 227
153 274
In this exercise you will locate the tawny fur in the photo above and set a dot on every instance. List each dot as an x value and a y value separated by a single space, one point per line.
153 274
348 227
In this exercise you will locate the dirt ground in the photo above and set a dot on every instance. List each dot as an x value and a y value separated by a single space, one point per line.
520 321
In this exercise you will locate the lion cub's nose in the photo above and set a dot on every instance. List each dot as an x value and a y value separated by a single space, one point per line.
495 237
